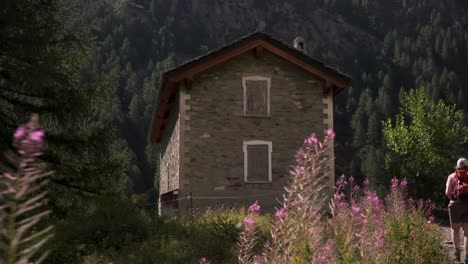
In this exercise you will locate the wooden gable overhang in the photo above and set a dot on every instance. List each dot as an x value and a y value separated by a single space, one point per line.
257 42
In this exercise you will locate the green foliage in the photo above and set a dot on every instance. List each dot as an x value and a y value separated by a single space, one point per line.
424 141
146 239
411 238
112 225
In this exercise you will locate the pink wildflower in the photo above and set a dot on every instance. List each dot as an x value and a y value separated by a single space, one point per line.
203 260
37 137
339 196
281 213
330 133
375 200
379 235
341 182
356 209
297 170
249 220
324 255
431 219
20 132
430 205
403 183
254 208
356 188
395 182
351 179
311 140
315 214
256 259
366 182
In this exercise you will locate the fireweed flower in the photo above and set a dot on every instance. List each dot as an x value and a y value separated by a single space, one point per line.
203 260
366 182
20 132
379 237
395 183
356 209
403 183
315 214
37 136
351 179
341 182
330 133
324 255
281 213
254 208
297 170
28 140
431 219
430 205
256 259
312 140
249 220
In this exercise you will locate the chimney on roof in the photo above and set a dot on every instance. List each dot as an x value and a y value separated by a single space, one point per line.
299 44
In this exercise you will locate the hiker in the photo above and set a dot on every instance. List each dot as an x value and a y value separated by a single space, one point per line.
457 191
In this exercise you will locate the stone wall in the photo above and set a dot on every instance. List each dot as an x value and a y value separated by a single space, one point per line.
170 147
215 128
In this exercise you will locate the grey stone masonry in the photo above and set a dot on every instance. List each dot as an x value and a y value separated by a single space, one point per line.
170 160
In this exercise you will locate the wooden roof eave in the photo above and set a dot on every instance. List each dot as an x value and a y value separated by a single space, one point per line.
181 75
162 112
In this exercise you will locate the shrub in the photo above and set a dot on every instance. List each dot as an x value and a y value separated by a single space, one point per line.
208 237
112 226
361 227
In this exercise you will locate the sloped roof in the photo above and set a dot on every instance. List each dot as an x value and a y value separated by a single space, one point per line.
335 80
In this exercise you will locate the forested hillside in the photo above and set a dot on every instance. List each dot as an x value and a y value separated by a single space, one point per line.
386 46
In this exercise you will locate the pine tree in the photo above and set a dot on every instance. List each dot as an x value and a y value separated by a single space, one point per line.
374 130
359 119
373 167
37 77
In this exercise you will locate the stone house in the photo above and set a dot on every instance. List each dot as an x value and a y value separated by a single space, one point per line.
229 122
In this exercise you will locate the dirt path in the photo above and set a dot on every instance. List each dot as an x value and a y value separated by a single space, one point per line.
447 243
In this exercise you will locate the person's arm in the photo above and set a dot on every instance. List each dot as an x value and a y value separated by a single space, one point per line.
449 187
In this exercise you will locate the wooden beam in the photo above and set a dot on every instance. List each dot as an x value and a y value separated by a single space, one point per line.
258 52
171 98
188 82
337 90
328 86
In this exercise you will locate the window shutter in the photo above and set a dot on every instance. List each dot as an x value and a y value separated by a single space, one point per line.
256 97
257 163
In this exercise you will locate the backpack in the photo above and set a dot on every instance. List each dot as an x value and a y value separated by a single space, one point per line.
461 185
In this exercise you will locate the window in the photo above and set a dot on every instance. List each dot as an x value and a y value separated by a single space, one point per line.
256 96
257 161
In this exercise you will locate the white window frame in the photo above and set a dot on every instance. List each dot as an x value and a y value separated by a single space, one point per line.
270 149
244 86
